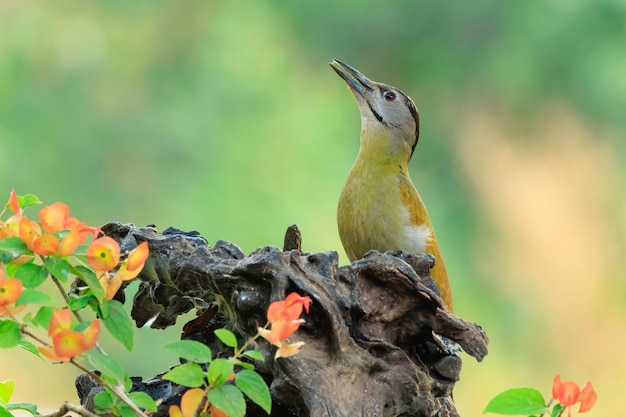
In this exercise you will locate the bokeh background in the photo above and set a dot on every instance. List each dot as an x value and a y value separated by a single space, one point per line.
224 117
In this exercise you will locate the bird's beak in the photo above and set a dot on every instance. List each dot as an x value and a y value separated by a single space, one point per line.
357 82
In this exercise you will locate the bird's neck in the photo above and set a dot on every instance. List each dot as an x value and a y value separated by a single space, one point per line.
379 148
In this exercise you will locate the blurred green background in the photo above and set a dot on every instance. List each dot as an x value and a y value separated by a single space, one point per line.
224 117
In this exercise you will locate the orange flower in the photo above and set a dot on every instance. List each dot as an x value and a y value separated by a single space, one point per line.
103 254
282 329
14 203
588 397
60 320
54 216
29 231
284 318
68 343
289 309
568 393
10 228
70 242
556 386
216 412
10 290
46 245
136 260
77 235
189 403
129 269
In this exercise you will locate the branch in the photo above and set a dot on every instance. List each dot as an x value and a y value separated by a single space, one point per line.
65 407
379 340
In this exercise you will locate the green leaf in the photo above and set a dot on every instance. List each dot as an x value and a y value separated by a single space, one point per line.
9 334
227 337
190 350
119 324
81 252
219 371
254 355
4 412
228 399
78 302
60 268
128 384
517 401
10 269
103 401
89 277
143 400
6 390
126 411
28 200
29 346
11 248
30 296
30 407
43 317
31 275
245 365
255 388
108 366
103 309
557 409
188 374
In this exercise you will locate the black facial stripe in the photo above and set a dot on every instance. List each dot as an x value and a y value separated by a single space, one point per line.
413 111
375 113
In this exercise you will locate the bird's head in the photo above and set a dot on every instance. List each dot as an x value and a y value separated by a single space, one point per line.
388 116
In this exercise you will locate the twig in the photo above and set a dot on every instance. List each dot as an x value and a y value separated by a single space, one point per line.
114 389
65 407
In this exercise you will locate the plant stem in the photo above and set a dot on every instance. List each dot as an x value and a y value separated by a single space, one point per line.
31 335
65 407
114 389
242 349
65 297
203 402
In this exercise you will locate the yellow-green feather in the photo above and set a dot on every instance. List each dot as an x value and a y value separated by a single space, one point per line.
378 203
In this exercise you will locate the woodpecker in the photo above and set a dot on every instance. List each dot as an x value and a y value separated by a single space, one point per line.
379 207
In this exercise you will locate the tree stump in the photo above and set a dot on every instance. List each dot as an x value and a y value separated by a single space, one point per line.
379 341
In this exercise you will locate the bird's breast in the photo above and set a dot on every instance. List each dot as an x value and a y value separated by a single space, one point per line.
373 214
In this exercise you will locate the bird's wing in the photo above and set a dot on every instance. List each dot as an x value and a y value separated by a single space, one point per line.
420 217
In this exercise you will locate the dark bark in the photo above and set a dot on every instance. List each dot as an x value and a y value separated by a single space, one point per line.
378 340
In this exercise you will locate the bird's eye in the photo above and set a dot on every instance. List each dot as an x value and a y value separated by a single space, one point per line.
389 95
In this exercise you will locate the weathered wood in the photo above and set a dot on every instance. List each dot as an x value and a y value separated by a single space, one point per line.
378 340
